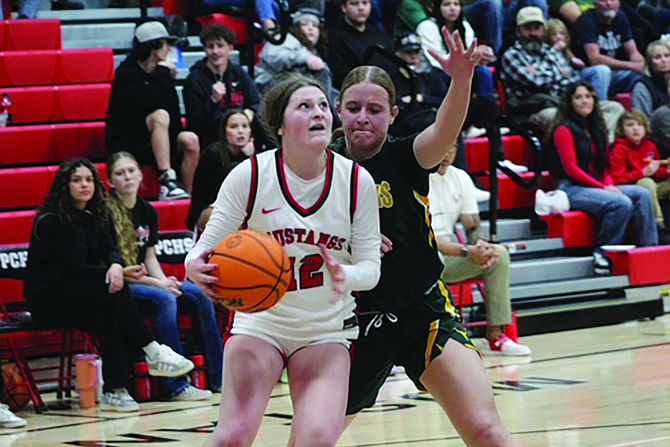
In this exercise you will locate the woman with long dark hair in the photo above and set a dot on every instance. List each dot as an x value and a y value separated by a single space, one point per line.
578 163
75 279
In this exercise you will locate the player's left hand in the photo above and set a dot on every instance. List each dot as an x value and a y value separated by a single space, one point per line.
336 271
460 63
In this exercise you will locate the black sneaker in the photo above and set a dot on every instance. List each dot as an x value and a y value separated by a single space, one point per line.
169 188
602 266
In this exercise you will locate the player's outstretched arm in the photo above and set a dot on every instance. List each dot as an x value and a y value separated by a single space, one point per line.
431 145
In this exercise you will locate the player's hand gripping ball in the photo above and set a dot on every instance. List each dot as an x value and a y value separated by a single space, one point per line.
253 270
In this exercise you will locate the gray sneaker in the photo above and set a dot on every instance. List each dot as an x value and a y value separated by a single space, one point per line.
167 363
191 393
169 188
9 419
118 400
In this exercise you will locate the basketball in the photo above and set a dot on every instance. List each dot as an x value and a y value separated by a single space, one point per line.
253 270
16 389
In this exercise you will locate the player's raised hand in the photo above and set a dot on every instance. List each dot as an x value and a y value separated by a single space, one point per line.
460 63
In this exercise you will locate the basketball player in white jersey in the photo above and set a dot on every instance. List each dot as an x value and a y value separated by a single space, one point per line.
323 209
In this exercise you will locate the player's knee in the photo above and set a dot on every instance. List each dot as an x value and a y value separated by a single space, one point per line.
319 436
484 430
240 435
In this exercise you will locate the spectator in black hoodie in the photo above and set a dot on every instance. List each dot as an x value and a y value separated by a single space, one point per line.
143 116
215 85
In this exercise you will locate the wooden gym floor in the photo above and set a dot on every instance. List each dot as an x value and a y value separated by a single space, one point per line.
607 386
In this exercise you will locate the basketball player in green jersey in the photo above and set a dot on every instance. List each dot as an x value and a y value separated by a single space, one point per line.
408 319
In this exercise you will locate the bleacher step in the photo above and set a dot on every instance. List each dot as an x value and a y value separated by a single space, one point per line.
99 14
98 35
551 269
565 287
589 314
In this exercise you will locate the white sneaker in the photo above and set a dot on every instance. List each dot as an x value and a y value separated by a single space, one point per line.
191 393
9 419
514 167
481 195
169 189
474 132
602 266
118 400
504 345
167 363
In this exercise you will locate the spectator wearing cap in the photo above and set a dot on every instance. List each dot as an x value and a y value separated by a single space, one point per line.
603 36
215 85
143 116
535 75
350 36
304 51
417 112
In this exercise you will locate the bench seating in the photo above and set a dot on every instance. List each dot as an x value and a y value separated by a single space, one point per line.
48 143
50 104
576 228
56 67
512 196
644 265
30 34
15 195
16 225
477 152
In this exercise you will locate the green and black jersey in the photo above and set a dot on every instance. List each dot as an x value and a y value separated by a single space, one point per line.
413 266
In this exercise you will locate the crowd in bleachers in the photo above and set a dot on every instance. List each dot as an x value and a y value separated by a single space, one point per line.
556 73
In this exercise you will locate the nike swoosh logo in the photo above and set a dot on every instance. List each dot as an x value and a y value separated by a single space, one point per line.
268 211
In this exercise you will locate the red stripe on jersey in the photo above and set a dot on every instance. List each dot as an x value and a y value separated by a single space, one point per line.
304 212
253 189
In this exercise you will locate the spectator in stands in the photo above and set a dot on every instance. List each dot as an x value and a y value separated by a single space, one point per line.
216 85
350 36
74 278
236 144
304 51
634 160
452 198
602 36
660 126
578 163
650 92
143 117
535 75
136 226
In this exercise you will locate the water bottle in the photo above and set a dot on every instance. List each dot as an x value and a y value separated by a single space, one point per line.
5 106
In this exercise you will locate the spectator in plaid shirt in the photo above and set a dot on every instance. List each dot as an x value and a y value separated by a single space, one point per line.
535 75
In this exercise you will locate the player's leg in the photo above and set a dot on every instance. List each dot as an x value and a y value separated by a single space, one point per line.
251 370
458 382
318 377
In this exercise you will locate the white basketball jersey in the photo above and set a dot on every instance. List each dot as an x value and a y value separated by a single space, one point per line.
300 225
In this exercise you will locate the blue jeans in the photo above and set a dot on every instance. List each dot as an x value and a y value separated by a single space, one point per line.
164 307
623 81
482 81
615 210
486 18
600 77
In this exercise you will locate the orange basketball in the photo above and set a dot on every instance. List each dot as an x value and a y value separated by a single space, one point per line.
17 395
253 270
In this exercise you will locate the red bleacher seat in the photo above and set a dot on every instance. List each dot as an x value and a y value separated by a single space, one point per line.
625 99
511 195
236 24
30 34
28 67
46 104
51 143
576 228
477 152
642 264
85 66
56 67
13 182
16 225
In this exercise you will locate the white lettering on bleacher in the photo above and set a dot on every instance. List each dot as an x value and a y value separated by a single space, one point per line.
14 260
170 247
